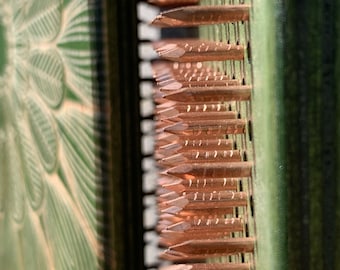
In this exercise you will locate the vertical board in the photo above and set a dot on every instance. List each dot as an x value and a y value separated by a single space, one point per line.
269 134
49 168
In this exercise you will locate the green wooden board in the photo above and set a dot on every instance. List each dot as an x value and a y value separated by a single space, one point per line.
268 114
48 144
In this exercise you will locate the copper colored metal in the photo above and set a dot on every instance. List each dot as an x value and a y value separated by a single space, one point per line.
174 210
166 138
202 249
164 3
171 86
193 217
168 239
161 125
208 266
200 228
183 213
192 75
174 114
163 67
201 156
207 200
198 144
183 71
205 80
231 224
194 107
210 94
191 50
190 106
207 127
212 170
202 15
206 184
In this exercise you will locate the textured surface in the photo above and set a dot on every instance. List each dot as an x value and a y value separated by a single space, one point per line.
205 127
312 85
48 166
268 114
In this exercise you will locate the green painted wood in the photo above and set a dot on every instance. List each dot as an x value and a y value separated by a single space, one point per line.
49 170
269 133
268 114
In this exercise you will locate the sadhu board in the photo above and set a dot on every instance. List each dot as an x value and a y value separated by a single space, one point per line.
49 143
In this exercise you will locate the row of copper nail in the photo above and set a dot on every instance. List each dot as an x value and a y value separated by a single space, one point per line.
180 185
197 124
202 249
192 107
214 170
183 72
201 156
165 138
206 127
210 228
193 149
208 266
179 146
197 78
202 15
166 3
193 50
209 93
172 113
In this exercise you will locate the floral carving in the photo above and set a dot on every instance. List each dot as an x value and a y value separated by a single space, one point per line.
48 178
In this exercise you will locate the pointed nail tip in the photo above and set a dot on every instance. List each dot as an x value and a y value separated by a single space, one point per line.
176 127
159 21
179 169
177 267
171 87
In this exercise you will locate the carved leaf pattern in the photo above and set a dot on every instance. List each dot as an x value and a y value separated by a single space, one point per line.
16 201
42 19
43 132
46 70
75 48
80 155
35 250
10 247
3 172
48 220
63 229
31 168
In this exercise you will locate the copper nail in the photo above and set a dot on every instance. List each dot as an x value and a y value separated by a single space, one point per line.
208 266
201 156
206 184
172 84
212 170
199 144
207 127
164 3
189 50
202 15
185 214
173 113
209 94
202 249
193 107
190 202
